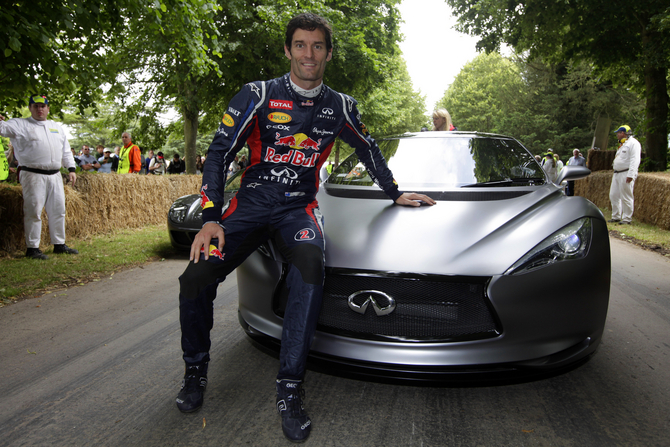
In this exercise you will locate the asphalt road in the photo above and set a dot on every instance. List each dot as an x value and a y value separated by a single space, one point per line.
100 365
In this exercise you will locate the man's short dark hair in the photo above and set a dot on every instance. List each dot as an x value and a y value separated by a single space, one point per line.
309 22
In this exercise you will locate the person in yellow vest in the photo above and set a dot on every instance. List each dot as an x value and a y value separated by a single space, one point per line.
130 159
4 164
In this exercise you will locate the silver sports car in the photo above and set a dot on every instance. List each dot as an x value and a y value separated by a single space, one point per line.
504 274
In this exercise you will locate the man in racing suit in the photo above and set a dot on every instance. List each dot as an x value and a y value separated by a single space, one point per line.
290 124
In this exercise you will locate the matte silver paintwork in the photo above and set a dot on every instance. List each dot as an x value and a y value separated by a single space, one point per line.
550 317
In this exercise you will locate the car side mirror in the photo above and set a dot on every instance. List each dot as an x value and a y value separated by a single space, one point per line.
571 173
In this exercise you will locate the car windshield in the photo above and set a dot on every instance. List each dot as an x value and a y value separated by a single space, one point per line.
433 164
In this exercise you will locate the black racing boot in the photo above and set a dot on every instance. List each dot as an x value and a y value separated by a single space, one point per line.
294 420
36 253
62 248
193 387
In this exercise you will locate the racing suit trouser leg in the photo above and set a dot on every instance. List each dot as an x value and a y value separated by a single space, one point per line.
197 291
302 244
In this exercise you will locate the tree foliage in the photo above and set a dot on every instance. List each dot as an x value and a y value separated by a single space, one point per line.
56 48
628 43
543 105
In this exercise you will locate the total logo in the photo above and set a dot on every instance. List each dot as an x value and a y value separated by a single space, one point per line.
281 104
297 141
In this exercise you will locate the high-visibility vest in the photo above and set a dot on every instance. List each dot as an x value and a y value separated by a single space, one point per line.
4 164
124 159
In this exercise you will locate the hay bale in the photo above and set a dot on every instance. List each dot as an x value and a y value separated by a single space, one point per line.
99 203
652 195
598 160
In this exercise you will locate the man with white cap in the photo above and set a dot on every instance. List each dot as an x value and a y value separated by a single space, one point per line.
41 148
626 162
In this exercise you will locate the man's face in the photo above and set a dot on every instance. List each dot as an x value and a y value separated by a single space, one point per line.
151 154
621 134
86 150
39 112
308 56
126 139
575 153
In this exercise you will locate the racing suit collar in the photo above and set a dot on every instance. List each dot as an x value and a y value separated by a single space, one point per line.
305 100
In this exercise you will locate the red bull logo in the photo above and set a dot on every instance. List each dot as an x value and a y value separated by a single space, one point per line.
310 144
285 141
296 158
298 141
213 252
204 200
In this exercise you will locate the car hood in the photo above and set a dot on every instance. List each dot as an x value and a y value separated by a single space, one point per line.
454 237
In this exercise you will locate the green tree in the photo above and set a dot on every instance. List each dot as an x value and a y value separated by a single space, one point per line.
393 107
629 43
241 41
487 88
57 48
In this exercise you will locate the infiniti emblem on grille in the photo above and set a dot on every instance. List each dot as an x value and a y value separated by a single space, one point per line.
381 302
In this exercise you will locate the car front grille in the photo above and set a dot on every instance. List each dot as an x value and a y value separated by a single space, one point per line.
427 308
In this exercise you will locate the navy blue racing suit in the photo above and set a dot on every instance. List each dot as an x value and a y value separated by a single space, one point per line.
290 137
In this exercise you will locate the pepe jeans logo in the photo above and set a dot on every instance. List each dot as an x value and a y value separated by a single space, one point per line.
382 303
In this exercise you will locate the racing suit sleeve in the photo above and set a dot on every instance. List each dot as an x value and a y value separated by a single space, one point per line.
236 126
356 135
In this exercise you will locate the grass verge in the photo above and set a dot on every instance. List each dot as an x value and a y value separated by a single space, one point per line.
644 235
99 256
102 256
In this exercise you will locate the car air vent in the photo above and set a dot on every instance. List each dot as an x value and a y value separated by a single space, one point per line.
403 308
447 196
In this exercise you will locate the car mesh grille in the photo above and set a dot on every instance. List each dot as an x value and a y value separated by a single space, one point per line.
430 308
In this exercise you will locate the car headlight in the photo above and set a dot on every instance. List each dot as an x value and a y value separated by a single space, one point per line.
570 242
178 213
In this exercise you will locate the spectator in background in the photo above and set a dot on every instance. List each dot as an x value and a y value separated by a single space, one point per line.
106 162
41 149
157 164
442 120
234 165
243 162
549 166
147 161
177 166
625 165
100 149
559 163
575 160
198 164
88 162
130 158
